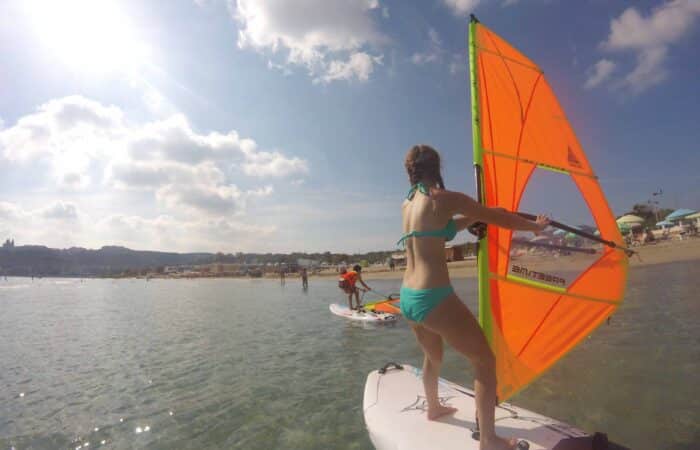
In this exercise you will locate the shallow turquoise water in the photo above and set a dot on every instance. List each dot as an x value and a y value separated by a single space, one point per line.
252 364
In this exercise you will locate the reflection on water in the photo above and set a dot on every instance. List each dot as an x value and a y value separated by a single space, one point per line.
256 365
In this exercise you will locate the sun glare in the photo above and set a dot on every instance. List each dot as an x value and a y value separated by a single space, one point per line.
88 35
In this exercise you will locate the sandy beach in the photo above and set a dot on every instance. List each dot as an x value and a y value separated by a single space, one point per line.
663 252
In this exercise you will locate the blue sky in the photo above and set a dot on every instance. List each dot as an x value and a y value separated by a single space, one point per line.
282 125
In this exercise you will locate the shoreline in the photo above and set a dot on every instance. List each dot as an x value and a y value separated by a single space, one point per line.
648 255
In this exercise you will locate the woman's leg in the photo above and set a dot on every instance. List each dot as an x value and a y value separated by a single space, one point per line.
431 343
455 323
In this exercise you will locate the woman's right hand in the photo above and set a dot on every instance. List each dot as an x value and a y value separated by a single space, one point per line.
541 223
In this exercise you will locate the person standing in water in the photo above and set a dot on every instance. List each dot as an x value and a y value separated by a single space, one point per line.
347 282
304 278
281 276
428 300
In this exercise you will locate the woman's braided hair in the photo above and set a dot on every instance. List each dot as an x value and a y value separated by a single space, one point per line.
423 162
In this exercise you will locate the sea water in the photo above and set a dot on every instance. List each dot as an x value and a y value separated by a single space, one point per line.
255 364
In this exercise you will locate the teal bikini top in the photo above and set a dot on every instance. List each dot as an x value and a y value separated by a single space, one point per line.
449 232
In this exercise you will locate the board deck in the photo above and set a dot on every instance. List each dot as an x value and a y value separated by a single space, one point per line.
395 415
362 316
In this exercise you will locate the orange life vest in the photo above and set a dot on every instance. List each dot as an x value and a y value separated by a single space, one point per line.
347 280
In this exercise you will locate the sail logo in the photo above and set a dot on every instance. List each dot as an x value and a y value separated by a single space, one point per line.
539 276
573 160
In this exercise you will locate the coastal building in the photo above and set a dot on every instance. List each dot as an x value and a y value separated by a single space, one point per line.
399 258
308 263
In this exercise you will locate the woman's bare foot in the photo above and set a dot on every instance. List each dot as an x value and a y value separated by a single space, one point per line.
498 443
440 411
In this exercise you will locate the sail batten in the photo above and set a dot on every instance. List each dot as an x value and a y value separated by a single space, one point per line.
536 302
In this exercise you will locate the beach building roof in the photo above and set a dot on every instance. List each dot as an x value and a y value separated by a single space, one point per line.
679 214
630 219
664 223
693 216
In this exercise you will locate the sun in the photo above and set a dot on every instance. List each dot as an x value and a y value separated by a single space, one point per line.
88 35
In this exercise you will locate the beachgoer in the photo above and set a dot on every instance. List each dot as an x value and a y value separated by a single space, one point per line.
304 278
392 264
281 276
428 300
347 282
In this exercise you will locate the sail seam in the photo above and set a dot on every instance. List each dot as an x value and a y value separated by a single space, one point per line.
510 74
540 164
486 50
516 201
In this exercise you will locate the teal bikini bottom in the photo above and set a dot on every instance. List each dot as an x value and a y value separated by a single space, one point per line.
416 304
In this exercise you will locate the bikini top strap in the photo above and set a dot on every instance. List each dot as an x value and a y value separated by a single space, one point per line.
417 187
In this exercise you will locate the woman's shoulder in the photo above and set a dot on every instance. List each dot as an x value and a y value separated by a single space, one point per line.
451 202
445 196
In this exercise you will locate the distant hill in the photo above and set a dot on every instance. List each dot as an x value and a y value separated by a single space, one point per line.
38 260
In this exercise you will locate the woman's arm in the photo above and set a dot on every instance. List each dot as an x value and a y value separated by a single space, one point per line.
458 203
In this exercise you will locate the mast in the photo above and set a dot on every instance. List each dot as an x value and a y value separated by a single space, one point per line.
482 243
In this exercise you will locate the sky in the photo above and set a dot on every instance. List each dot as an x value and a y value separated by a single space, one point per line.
281 126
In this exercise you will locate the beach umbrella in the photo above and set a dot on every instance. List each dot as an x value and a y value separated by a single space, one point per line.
570 236
540 238
694 216
630 219
624 228
559 232
664 223
679 214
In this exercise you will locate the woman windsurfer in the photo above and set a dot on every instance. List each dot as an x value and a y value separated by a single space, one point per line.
427 297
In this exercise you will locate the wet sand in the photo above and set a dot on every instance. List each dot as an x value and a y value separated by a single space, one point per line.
663 252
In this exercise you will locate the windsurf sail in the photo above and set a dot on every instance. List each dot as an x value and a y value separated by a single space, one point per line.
538 297
390 305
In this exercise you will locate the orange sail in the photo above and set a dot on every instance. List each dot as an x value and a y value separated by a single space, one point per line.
538 297
389 305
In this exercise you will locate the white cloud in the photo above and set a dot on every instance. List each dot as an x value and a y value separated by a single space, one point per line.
78 144
434 52
209 198
10 212
650 38
601 71
62 224
78 138
462 7
649 70
59 223
60 211
316 34
458 63
167 232
59 128
360 66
